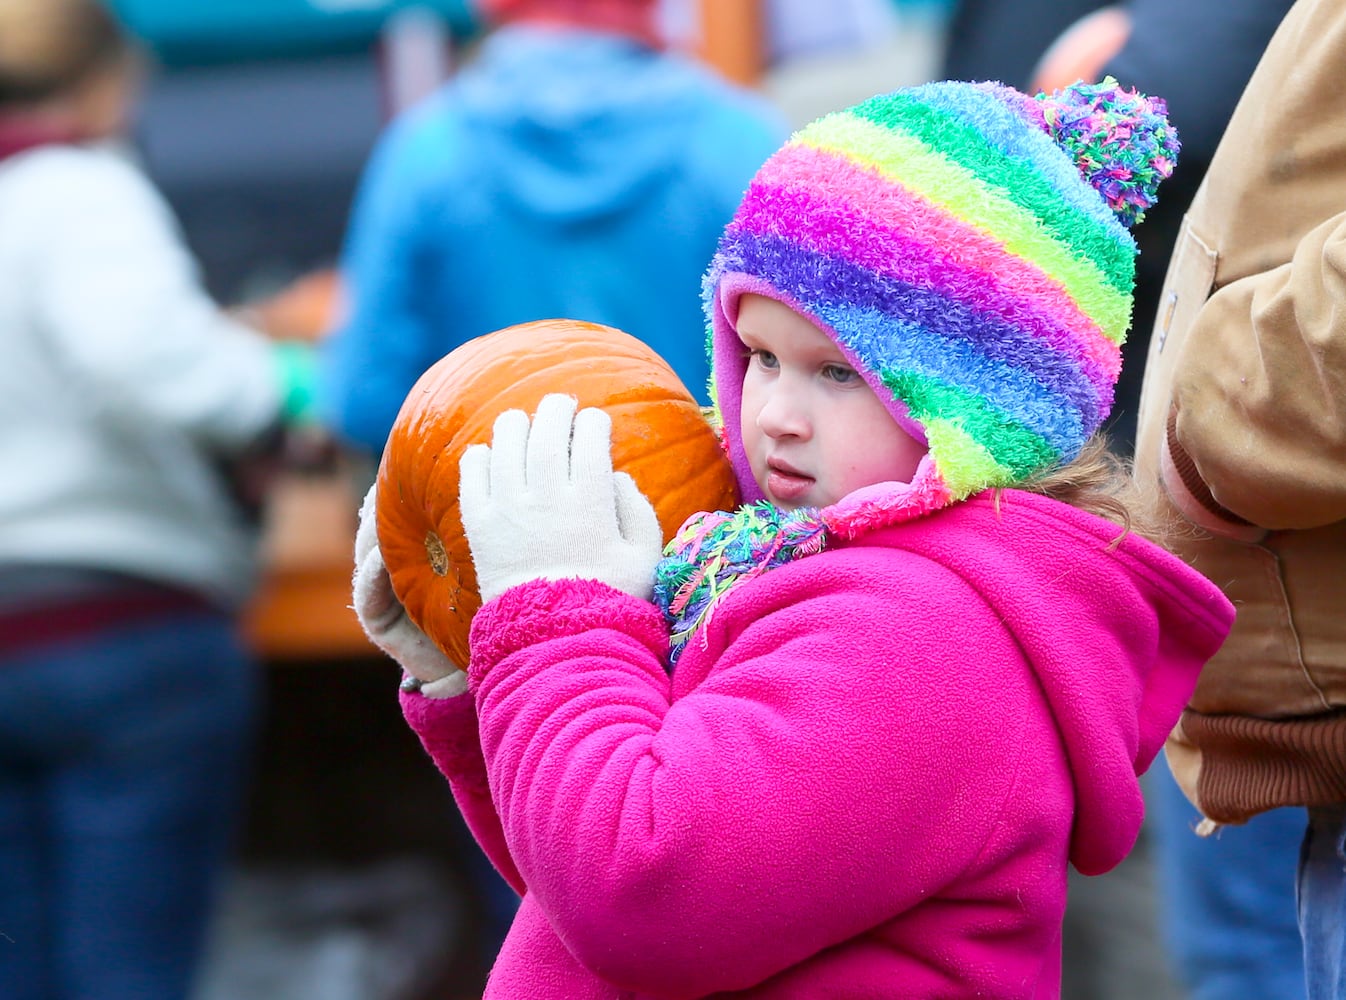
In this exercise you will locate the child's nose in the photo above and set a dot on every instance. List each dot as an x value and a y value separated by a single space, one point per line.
781 415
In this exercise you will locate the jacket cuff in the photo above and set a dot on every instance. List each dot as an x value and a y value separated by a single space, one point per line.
1183 483
540 610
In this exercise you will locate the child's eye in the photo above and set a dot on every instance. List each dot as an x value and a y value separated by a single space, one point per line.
763 358
840 374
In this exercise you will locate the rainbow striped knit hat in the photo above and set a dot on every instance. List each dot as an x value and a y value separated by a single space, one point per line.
968 248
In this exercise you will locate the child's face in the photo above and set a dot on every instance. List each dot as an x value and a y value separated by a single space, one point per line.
812 428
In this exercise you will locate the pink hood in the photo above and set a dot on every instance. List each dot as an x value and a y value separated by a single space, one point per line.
1116 638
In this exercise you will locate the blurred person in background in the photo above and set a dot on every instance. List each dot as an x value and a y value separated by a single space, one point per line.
138 423
575 167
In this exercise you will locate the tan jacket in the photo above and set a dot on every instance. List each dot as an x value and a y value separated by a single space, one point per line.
1243 430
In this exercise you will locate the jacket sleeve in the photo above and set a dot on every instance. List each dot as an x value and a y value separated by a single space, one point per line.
811 788
122 301
1257 431
447 728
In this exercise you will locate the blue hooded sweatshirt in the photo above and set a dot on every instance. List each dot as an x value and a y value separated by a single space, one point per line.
561 174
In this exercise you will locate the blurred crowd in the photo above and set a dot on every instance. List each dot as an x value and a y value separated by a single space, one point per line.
177 354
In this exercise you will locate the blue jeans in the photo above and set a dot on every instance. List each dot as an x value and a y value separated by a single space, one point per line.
1322 902
1227 902
123 754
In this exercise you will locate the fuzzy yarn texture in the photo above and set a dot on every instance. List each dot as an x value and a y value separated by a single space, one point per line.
967 247
715 551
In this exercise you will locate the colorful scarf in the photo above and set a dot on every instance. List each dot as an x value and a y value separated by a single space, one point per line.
715 551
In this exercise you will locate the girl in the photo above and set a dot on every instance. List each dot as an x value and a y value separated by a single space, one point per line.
919 672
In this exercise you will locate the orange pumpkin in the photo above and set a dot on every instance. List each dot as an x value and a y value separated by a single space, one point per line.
660 437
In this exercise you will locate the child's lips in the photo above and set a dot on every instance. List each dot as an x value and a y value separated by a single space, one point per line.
786 483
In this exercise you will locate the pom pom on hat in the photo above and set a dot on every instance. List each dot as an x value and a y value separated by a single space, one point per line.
967 247
1120 139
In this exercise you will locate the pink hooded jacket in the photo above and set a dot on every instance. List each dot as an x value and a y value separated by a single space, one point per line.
864 778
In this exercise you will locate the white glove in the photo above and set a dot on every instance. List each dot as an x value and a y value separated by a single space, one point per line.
544 503
385 620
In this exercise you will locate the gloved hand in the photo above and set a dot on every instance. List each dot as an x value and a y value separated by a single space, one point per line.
385 620
297 369
543 502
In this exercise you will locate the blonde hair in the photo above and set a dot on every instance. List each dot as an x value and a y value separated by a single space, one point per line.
1100 482
50 47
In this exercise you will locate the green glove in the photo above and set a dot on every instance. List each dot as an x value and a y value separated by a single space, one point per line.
297 366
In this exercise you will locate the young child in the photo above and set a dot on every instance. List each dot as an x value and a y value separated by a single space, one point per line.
920 672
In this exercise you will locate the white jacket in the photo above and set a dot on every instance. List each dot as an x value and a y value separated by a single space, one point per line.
121 382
